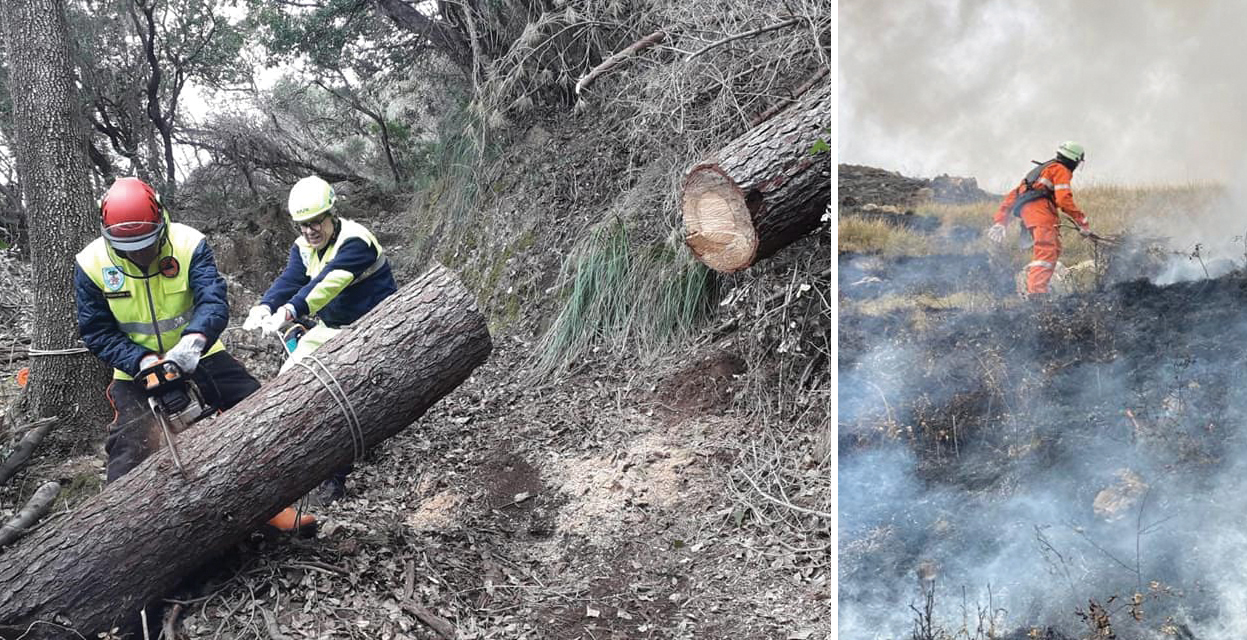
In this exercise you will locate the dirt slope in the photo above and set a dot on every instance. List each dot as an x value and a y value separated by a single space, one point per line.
590 509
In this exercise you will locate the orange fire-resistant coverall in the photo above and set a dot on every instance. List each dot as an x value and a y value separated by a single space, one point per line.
1040 217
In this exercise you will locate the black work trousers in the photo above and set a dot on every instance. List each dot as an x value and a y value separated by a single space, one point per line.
135 433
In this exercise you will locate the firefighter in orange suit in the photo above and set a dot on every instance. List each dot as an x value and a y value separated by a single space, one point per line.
1039 200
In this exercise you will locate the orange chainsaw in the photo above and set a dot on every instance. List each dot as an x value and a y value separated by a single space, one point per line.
176 402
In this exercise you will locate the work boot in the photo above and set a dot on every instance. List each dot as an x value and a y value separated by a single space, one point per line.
289 521
329 492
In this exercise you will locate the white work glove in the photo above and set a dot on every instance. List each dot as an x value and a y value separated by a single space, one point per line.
148 360
187 351
256 317
279 320
996 233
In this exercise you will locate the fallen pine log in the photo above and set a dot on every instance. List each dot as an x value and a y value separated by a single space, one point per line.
132 543
763 190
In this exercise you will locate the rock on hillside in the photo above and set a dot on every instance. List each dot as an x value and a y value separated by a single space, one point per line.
861 185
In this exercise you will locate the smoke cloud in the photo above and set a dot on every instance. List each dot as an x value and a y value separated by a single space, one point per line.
981 87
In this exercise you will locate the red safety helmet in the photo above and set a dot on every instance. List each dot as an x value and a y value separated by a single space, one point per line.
130 216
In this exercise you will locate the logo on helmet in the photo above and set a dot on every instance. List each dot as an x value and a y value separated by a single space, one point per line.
114 279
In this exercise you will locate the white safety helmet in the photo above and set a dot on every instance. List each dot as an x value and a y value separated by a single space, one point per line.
1072 150
309 198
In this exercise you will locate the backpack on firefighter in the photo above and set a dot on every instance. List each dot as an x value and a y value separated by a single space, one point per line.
1037 188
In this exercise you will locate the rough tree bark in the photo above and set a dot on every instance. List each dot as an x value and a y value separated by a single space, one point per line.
763 190
53 167
131 543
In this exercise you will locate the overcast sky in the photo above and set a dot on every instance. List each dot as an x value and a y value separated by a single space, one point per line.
1156 91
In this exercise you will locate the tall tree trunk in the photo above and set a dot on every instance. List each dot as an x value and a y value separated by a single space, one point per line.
162 120
133 542
55 176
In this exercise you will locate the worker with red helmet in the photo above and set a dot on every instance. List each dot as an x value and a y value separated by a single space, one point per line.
148 290
1038 201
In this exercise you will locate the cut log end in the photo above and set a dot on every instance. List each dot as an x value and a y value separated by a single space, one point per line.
763 190
718 226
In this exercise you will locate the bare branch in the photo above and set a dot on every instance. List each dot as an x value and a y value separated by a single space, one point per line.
449 41
640 45
34 434
774 27
441 625
30 514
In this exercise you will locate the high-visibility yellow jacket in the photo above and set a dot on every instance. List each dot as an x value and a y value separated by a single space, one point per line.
339 283
125 312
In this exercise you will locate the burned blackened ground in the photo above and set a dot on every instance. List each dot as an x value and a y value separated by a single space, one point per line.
865 276
1083 448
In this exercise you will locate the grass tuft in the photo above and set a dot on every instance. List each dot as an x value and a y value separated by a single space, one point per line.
625 298
861 235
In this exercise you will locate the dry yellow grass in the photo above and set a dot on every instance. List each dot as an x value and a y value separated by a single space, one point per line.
1117 210
860 235
962 300
1112 209
1180 215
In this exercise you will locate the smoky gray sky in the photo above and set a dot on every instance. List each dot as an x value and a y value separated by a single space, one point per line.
1153 90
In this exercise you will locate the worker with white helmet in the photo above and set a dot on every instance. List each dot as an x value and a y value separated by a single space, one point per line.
1038 202
336 272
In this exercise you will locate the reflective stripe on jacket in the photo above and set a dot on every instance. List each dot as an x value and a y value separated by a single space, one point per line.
123 316
339 283
1045 189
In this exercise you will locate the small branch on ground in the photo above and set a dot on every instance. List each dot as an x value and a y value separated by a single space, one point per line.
322 567
441 625
271 626
35 508
35 433
784 503
409 579
169 627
